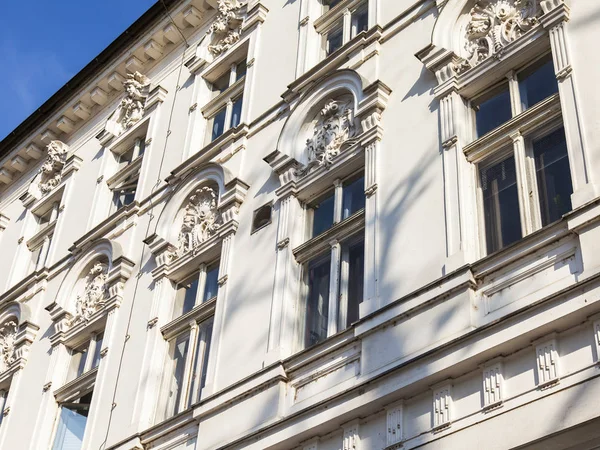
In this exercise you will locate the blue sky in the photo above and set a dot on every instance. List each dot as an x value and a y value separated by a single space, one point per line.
44 43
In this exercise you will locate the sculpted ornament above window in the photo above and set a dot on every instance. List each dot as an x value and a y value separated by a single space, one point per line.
200 221
334 128
8 331
51 170
94 295
494 24
225 28
131 108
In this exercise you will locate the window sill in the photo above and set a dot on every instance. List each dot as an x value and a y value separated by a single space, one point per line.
543 112
338 232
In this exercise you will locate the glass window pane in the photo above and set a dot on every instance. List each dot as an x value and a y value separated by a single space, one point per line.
179 355
240 70
334 39
356 273
328 4
218 124
236 112
71 425
500 204
77 364
317 303
96 357
202 353
353 197
493 112
553 175
212 284
185 299
323 215
123 197
538 85
360 20
221 83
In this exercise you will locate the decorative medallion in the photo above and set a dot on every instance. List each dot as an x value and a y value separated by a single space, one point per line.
131 108
94 295
226 27
51 170
8 332
496 23
334 128
200 221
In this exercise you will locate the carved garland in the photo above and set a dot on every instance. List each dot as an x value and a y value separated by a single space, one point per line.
494 24
51 170
131 108
225 29
334 128
95 294
200 221
8 332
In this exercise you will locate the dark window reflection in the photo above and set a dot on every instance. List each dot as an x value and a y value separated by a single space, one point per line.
353 197
218 124
537 85
236 112
317 305
212 284
323 215
360 20
493 112
335 39
553 176
356 260
501 204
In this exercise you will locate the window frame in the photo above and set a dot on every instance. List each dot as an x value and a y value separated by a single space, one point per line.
330 19
515 136
129 173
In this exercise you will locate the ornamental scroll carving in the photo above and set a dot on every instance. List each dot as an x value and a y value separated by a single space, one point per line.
495 23
200 221
51 170
334 128
131 108
226 27
94 295
8 332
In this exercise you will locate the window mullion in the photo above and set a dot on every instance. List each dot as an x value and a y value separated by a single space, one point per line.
523 186
515 95
228 113
201 284
90 354
337 201
344 279
334 280
347 30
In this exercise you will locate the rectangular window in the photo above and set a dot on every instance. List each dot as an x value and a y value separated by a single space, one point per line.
353 197
211 285
198 378
236 112
218 124
317 304
323 215
493 111
197 289
500 204
334 39
185 299
360 20
72 422
553 175
356 271
178 357
343 24
537 83
81 361
124 196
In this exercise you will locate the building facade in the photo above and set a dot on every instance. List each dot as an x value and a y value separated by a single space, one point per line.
310 224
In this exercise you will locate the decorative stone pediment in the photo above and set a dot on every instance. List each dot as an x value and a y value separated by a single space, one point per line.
493 24
50 173
201 219
334 127
94 295
131 108
225 30
8 333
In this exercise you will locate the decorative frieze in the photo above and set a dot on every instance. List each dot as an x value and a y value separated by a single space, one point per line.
226 26
95 293
50 173
8 332
335 126
131 108
493 384
200 221
494 24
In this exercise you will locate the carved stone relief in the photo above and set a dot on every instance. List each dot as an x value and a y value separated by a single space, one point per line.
51 170
131 108
8 332
225 29
94 295
200 221
335 127
495 23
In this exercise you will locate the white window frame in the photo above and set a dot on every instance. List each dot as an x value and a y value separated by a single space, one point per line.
91 346
342 12
39 244
225 99
131 169
537 121
337 240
